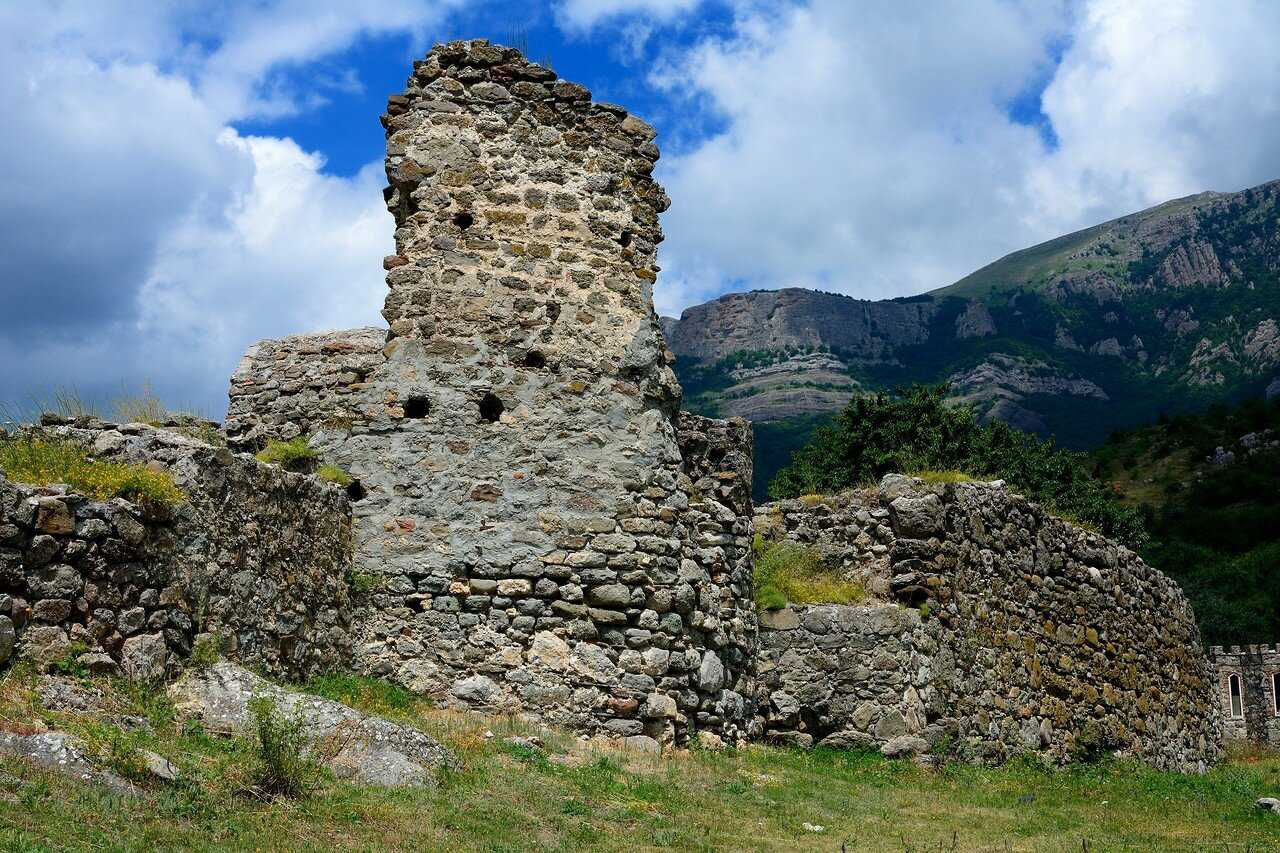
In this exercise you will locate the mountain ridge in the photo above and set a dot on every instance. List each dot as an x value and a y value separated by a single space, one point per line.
1164 310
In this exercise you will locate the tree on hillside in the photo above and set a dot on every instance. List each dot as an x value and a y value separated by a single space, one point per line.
917 429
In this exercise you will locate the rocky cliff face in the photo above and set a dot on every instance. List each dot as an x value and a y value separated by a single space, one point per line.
1169 309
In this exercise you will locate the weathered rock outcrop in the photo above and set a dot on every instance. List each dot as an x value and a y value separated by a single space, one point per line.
352 745
994 627
530 505
256 556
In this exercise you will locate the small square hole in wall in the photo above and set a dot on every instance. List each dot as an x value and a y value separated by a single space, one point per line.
416 407
535 359
356 492
625 239
463 220
490 408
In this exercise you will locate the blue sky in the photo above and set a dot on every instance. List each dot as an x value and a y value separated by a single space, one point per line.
178 180
611 62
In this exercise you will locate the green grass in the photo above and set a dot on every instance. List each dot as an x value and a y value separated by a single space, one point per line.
581 797
939 477
334 474
292 455
45 461
787 572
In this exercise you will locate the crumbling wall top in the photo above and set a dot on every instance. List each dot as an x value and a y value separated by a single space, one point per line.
526 220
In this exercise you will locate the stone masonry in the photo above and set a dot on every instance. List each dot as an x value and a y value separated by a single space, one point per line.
255 556
545 532
992 628
1247 688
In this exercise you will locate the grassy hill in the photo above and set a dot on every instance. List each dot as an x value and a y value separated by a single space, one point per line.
1037 264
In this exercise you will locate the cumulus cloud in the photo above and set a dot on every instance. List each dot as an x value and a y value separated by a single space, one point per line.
140 237
870 148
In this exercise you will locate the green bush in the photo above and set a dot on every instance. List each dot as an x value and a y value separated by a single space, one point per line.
918 429
790 573
281 766
292 455
45 461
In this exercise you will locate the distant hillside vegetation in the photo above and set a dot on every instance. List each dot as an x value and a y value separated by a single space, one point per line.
1209 488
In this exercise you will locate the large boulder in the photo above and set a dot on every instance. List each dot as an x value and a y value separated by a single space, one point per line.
352 745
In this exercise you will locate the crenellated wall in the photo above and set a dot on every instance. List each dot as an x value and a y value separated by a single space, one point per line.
1255 715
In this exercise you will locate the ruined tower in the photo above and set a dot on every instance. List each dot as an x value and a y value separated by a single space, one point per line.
537 526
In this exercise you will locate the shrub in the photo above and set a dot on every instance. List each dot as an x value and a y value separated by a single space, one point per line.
919 430
334 474
281 766
292 455
787 572
45 461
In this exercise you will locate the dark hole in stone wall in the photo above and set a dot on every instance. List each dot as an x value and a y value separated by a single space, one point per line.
625 239
490 408
535 359
356 492
416 407
463 220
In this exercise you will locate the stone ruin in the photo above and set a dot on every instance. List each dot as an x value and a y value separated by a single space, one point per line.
988 623
535 527
548 532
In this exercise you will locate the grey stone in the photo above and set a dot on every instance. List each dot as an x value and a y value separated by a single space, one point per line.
904 745
478 690
8 638
642 743
145 658
372 750
710 673
61 753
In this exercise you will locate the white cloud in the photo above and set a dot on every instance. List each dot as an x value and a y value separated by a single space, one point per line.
140 238
295 250
584 15
1159 100
867 147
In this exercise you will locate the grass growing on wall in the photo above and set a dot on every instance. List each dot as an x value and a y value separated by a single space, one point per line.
789 573
334 474
292 455
46 461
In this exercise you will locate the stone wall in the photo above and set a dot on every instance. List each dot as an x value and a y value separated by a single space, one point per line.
256 556
300 385
1254 716
1033 635
526 498
843 676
